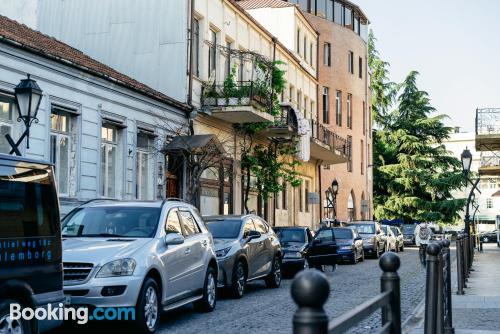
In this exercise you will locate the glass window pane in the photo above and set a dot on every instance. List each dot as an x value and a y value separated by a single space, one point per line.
6 108
188 223
303 5
63 165
321 8
329 10
338 11
103 170
4 144
173 224
348 17
144 175
111 170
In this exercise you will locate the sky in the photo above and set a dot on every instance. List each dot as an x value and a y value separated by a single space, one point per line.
453 44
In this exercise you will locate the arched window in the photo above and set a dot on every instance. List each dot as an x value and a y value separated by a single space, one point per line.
351 207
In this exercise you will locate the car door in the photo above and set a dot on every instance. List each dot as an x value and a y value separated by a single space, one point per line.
265 247
173 258
196 243
324 248
251 247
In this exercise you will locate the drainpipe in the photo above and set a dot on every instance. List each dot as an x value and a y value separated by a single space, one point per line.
275 40
190 65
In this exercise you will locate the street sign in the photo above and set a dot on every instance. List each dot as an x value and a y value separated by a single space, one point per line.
313 198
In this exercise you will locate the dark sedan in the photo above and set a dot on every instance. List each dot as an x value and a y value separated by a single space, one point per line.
350 244
322 250
373 237
409 234
294 242
488 236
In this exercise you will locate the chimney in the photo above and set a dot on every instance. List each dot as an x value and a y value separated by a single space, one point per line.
457 129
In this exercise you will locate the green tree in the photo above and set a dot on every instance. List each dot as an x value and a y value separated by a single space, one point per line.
414 168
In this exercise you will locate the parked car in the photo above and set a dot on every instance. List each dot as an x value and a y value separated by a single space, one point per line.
372 235
294 243
31 242
488 236
322 250
390 239
247 249
409 234
149 255
400 245
350 244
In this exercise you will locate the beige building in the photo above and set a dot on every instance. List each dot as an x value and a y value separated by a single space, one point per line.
227 37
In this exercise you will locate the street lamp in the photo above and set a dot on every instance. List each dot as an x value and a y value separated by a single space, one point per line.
466 158
334 191
335 187
28 96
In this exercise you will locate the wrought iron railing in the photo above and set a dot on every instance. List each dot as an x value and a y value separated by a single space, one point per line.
328 137
488 121
242 93
490 160
286 118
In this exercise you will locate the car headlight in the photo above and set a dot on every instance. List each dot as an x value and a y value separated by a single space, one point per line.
346 247
222 252
293 255
122 267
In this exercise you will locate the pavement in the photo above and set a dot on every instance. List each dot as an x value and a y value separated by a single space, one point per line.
478 310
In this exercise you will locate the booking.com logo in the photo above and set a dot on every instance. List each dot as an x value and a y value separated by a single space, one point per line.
80 314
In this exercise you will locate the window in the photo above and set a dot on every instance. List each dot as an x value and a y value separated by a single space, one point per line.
350 62
327 54
196 48
326 105
321 8
298 41
212 54
299 100
356 24
227 60
284 196
308 187
493 184
173 224
306 105
338 108
349 111
338 11
145 142
348 17
291 94
249 226
278 200
62 128
7 113
311 59
300 197
189 225
362 153
360 67
305 48
370 121
364 117
241 68
349 153
325 235
304 4
260 226
109 158
329 10
489 203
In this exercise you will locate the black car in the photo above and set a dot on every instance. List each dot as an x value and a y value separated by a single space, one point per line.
294 243
322 250
409 234
31 261
350 244
374 238
489 236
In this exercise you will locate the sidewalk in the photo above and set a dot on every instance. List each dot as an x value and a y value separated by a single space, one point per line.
478 311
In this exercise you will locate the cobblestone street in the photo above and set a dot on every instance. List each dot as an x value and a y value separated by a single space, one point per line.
270 311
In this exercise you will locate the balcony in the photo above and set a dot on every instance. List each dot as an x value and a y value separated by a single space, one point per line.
488 129
327 146
490 164
243 102
285 125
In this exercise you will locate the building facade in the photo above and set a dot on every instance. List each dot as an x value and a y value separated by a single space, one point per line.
344 101
98 126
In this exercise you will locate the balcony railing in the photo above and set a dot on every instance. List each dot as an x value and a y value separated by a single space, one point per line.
490 161
324 135
243 93
488 121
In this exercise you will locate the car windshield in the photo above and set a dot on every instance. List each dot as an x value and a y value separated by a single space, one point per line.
116 221
291 235
365 228
408 229
224 229
342 233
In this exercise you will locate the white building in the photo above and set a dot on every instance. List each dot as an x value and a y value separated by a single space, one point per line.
100 128
489 205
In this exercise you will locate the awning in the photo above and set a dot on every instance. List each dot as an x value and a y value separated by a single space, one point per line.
194 144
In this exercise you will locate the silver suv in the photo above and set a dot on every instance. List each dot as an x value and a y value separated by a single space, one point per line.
147 255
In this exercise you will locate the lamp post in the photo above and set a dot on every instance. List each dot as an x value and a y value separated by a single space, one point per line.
335 191
28 96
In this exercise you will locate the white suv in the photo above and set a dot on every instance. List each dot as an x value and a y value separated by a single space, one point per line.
147 255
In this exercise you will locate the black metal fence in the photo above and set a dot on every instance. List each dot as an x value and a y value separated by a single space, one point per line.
328 137
310 290
488 121
241 93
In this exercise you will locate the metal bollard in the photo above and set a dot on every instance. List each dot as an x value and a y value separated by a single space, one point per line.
433 250
389 281
460 267
310 290
466 256
448 320
440 290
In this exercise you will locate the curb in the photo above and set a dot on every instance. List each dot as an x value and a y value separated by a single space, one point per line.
415 319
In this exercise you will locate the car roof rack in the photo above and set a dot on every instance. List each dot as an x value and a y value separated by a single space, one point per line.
172 199
98 199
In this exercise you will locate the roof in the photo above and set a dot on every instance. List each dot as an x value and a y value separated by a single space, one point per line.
21 36
193 143
254 4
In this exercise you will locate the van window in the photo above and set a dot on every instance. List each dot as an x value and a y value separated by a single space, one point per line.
28 203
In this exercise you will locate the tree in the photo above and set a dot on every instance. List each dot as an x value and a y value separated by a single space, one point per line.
414 167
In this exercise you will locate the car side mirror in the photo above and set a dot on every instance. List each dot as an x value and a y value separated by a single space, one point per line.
253 235
173 239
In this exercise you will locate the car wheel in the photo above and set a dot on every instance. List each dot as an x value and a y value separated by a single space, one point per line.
377 252
207 303
354 259
148 307
273 280
9 325
362 255
239 280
